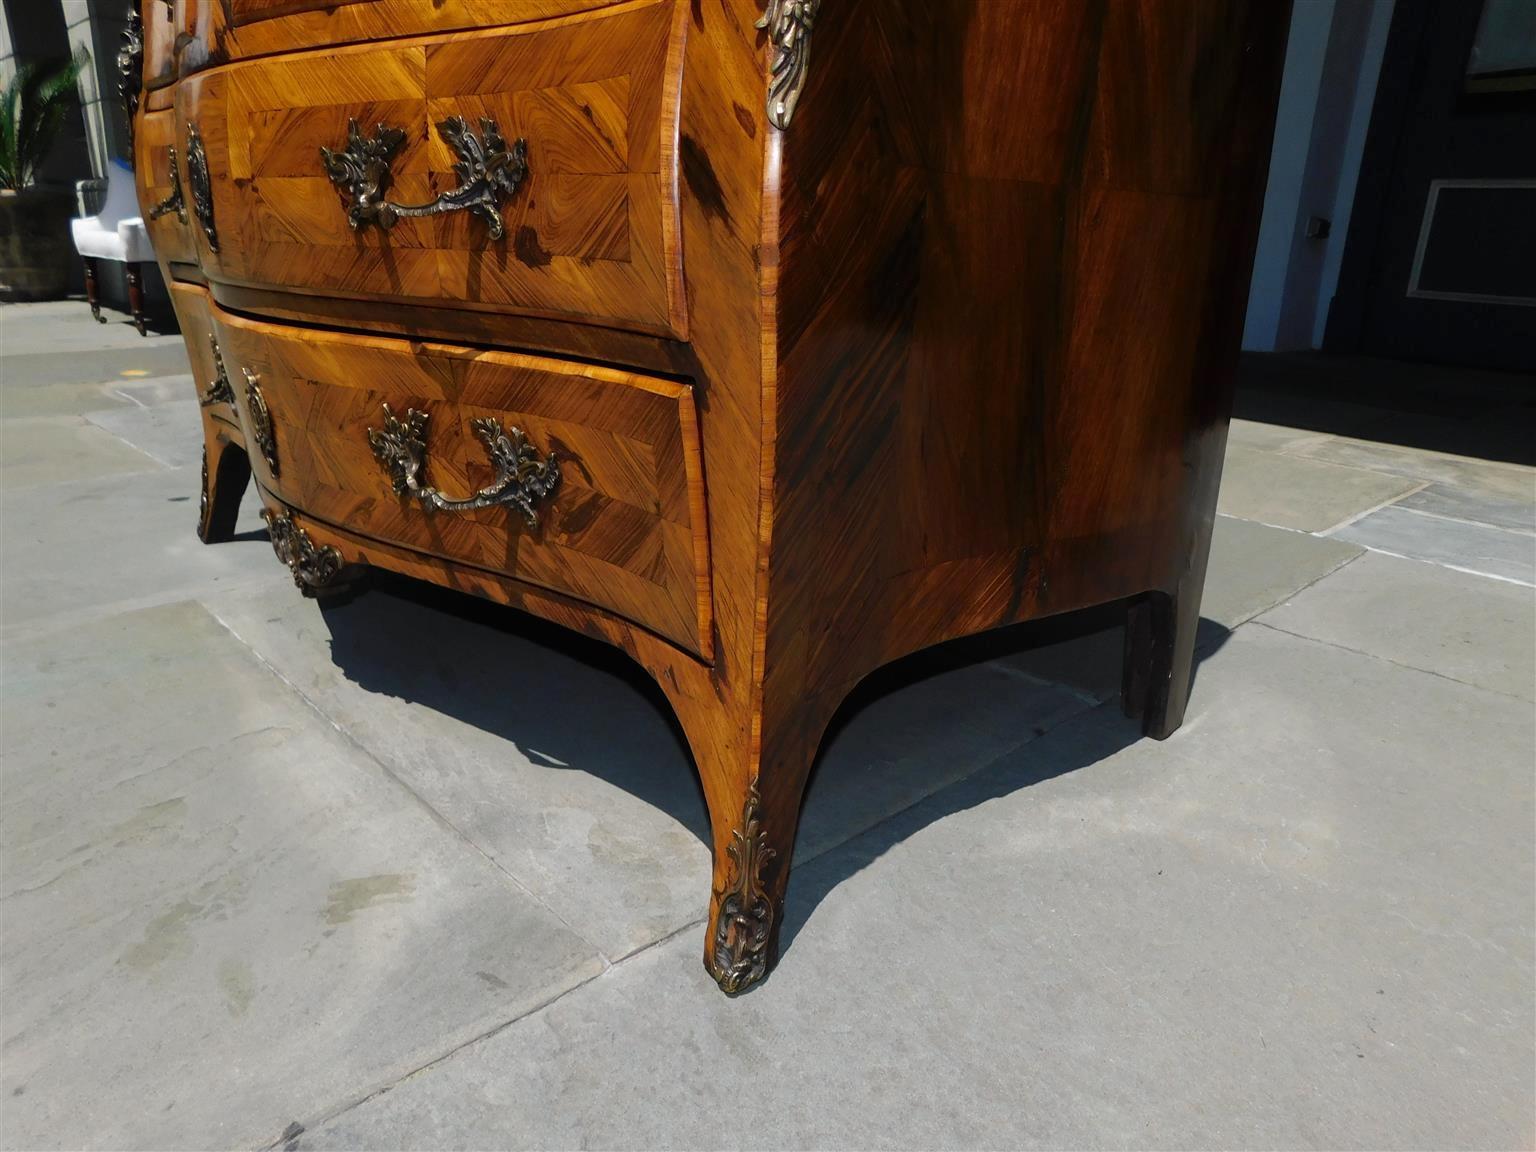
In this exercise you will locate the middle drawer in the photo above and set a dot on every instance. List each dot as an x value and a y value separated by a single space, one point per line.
527 169
616 520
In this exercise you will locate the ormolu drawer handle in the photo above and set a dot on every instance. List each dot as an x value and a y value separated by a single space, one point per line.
220 391
173 202
262 430
202 185
523 477
487 169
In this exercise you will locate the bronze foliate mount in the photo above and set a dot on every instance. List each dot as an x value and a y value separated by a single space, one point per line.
744 924
262 430
203 504
524 477
789 24
487 170
202 185
173 202
312 566
130 70
220 391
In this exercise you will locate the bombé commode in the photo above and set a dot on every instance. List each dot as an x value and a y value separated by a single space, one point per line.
768 343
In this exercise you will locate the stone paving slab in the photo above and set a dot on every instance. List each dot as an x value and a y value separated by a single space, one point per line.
166 356
1253 567
50 450
568 773
171 431
1293 491
1485 476
916 737
78 550
55 326
58 400
561 771
1453 543
1476 506
1280 928
1465 627
1484 414
1269 437
1303 921
219 914
92 396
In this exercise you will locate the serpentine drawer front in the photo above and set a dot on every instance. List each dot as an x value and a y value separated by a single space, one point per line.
533 166
234 29
768 341
605 503
158 161
209 373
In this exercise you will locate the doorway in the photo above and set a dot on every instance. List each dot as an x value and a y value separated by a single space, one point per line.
1440 261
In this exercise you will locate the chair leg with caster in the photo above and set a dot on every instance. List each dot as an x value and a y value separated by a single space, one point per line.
136 297
90 290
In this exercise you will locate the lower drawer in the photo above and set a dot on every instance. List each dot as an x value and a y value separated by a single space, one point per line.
580 479
193 307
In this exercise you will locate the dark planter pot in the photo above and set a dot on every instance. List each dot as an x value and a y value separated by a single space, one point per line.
35 244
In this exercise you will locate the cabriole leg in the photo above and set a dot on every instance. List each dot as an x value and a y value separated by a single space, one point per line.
754 817
747 906
223 485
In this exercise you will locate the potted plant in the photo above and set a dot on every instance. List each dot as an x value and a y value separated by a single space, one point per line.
35 247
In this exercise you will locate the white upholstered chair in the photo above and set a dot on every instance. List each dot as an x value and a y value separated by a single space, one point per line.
116 233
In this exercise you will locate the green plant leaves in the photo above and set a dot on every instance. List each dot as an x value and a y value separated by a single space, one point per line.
32 110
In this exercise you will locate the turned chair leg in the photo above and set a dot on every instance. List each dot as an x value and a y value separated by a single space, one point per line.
223 486
136 297
91 297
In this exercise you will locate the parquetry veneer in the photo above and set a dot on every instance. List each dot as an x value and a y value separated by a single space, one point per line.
816 331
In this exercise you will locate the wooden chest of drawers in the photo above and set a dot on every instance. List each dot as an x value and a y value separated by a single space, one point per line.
768 340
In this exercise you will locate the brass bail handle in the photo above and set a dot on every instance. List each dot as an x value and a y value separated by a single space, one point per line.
487 170
524 478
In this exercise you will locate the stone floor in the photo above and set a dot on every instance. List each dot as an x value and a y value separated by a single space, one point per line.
415 873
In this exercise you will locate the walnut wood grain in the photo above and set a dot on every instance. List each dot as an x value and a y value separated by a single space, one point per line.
591 235
611 347
229 30
153 142
194 318
1028 335
159 44
226 468
624 530
959 343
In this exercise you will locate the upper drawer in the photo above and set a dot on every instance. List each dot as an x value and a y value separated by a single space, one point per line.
240 29
589 234
160 27
158 165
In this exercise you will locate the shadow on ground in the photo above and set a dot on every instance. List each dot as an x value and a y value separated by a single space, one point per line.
556 709
1461 411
